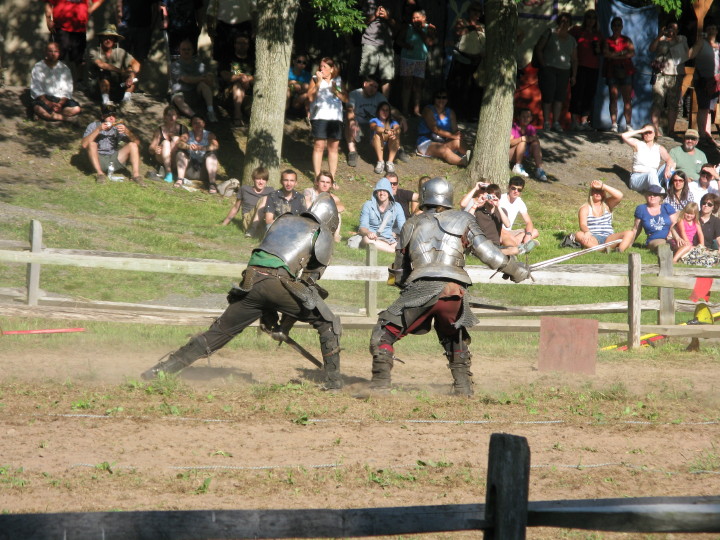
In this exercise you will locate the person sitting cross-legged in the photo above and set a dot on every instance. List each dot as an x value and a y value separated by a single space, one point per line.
51 88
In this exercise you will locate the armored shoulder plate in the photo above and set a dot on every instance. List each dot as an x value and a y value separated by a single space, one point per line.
291 239
456 222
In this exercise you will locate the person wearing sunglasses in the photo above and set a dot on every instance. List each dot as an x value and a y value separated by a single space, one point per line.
647 157
298 84
707 182
438 134
655 217
679 194
596 218
512 204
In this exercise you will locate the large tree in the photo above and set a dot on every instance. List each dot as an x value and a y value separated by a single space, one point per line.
273 44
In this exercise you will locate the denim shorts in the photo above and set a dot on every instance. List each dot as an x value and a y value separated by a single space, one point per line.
600 238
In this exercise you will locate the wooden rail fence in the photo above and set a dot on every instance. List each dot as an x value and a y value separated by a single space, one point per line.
505 515
493 318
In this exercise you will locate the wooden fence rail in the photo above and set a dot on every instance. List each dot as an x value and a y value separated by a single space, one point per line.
505 515
370 274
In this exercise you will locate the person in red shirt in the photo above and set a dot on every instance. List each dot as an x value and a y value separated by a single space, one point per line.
618 71
588 40
67 22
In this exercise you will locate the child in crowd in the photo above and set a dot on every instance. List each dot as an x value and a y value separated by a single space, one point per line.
386 134
687 231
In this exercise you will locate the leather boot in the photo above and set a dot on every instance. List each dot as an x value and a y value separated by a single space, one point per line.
333 378
381 368
180 359
462 376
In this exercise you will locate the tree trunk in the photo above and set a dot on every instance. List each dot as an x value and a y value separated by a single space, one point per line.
273 44
490 154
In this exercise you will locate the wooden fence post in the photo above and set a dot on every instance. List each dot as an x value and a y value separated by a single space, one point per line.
371 286
634 300
33 269
666 295
508 485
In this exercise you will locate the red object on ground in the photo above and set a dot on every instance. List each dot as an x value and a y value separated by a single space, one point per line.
701 289
51 331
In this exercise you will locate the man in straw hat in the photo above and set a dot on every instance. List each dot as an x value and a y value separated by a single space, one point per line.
112 70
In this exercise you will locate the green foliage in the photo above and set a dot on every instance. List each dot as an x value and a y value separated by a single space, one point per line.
340 16
673 7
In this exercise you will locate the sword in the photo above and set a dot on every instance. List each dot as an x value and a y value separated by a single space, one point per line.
563 258
281 337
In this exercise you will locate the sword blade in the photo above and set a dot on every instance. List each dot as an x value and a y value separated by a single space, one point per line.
563 258
302 350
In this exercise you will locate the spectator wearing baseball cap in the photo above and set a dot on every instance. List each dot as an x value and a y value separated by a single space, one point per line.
655 217
687 157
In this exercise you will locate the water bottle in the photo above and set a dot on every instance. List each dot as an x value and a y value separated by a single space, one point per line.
123 84
111 170
113 177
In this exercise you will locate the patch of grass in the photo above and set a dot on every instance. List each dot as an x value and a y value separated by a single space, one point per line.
708 460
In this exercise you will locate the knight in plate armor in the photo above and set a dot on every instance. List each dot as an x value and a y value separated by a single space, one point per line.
281 277
429 269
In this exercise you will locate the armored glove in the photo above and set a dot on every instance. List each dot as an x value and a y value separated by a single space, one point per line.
515 271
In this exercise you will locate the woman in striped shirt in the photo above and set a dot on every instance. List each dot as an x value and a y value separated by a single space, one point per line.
595 218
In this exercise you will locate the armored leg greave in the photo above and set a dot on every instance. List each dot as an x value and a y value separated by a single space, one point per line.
195 348
330 348
381 348
459 362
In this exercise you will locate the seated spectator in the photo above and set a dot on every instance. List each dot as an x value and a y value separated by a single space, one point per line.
284 200
237 76
380 217
386 136
483 202
51 88
414 38
438 134
191 83
226 19
252 200
687 231
706 254
679 193
687 157
655 217
196 152
415 203
707 182
647 155
361 108
404 197
112 71
298 84
101 141
513 205
323 184
596 218
163 146
524 142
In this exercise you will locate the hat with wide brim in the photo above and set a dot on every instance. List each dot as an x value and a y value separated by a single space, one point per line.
110 30
655 190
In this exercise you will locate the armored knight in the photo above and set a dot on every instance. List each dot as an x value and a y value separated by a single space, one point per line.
429 268
281 277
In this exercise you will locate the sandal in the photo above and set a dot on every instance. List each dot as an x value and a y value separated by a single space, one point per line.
212 189
139 181
178 183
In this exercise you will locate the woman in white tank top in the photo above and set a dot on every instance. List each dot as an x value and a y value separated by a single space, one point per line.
647 157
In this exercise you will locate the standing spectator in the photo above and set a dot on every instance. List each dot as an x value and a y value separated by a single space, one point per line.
438 134
525 142
327 95
618 51
101 141
655 217
164 144
512 203
707 68
237 76
647 155
51 88
181 19
361 107
380 217
557 54
196 151
407 199
323 184
707 183
596 218
284 200
386 135
687 231
226 19
190 81
679 193
112 70
67 22
377 43
687 157
467 56
582 95
671 52
415 39
135 22
252 200
298 84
